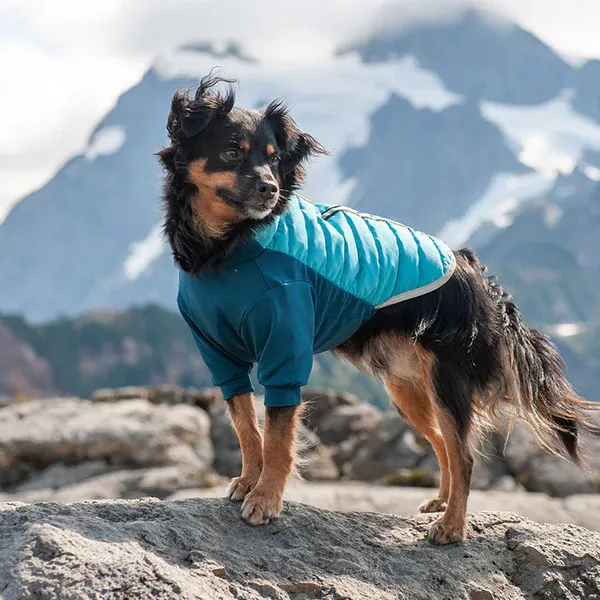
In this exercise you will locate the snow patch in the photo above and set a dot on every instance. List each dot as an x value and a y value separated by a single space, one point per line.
592 173
143 253
551 136
567 329
504 194
105 141
552 215
332 98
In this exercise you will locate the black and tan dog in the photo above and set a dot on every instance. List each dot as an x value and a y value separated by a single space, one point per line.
448 357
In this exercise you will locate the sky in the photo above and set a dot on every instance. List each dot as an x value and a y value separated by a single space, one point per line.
63 63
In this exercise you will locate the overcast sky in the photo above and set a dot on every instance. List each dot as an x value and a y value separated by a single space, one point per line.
63 63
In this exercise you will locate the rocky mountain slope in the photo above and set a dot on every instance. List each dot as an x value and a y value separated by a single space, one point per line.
22 370
443 126
200 549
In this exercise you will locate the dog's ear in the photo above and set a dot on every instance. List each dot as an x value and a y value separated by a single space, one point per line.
190 116
296 147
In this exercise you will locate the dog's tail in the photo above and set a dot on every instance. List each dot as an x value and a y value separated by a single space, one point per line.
534 383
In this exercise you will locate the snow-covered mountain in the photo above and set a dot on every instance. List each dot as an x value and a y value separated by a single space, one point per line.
453 128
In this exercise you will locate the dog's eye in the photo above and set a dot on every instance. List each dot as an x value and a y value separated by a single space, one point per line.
232 154
274 159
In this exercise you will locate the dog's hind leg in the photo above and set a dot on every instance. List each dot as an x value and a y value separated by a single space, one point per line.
454 403
414 403
245 423
265 501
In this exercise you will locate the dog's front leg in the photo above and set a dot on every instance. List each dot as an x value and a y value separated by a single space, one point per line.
245 423
265 501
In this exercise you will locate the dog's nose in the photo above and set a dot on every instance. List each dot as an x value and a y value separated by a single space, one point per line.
266 189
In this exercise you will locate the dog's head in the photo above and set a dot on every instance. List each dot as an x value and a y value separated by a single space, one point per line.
242 164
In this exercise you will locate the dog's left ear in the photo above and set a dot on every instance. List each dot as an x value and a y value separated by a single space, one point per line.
296 147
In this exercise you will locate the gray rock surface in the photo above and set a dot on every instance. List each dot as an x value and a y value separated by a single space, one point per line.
347 422
538 471
227 455
165 394
159 482
49 444
137 441
582 509
389 446
201 549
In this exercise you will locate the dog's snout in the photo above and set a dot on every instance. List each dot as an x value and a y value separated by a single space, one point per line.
266 189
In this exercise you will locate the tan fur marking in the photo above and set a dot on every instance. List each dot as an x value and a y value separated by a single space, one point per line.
245 145
452 525
214 216
411 390
245 423
407 373
265 502
416 407
270 149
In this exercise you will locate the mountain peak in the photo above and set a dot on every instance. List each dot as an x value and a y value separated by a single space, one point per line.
476 54
230 49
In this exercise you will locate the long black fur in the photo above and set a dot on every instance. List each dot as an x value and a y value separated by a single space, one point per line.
189 117
485 356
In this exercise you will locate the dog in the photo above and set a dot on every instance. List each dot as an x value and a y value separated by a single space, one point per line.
451 351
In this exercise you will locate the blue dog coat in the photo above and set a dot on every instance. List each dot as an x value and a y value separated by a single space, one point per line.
299 286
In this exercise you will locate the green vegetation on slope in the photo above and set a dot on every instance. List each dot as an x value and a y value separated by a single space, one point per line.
148 346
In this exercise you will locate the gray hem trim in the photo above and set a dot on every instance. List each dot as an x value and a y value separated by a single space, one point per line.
425 289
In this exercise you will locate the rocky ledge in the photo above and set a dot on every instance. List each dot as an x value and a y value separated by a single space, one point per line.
201 549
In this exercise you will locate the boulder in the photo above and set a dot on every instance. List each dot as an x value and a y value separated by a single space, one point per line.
316 462
204 398
132 433
159 482
347 422
489 469
320 403
539 471
60 475
390 446
201 549
227 456
164 394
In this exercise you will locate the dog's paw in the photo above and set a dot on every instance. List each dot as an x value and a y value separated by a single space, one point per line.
260 506
433 505
239 487
446 531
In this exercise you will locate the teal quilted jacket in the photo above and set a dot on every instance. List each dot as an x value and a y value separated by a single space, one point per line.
302 285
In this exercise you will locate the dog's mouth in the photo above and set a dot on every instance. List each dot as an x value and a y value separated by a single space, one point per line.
251 208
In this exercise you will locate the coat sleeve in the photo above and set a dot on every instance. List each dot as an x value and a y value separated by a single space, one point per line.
279 329
231 375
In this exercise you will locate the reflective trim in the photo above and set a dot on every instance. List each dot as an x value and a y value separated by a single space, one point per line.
421 291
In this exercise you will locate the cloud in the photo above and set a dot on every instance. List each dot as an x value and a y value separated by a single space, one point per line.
65 62
58 78
270 28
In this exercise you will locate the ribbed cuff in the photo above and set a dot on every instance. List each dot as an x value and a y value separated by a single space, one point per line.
239 385
282 396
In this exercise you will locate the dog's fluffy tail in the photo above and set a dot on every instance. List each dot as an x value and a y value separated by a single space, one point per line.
535 385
